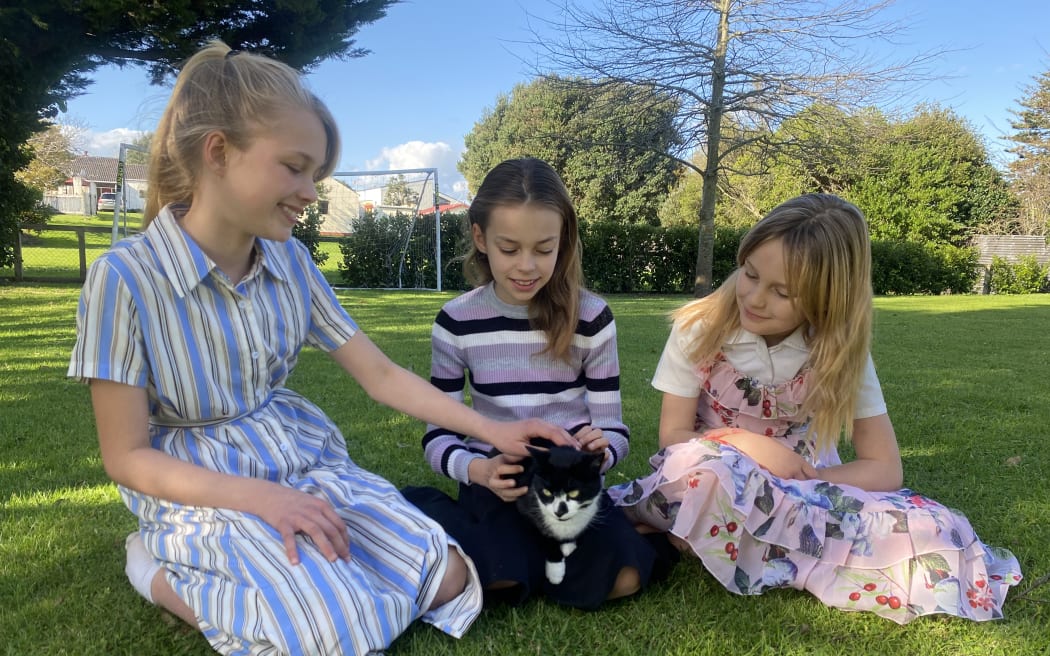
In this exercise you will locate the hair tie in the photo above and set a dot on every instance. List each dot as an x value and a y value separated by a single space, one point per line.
232 52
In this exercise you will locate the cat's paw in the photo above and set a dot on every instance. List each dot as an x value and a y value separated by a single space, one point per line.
567 548
555 571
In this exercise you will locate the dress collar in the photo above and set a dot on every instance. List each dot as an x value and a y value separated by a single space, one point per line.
186 265
795 340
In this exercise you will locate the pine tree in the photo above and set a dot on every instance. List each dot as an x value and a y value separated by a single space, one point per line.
1030 172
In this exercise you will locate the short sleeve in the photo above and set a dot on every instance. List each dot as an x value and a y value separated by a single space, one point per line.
675 374
870 402
109 342
330 325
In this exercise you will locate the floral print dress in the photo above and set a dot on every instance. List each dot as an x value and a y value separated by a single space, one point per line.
897 554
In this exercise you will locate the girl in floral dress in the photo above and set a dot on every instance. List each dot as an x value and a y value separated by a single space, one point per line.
760 379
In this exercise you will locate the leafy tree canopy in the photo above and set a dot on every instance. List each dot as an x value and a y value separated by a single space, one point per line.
50 47
924 178
52 152
399 194
607 141
142 141
1030 172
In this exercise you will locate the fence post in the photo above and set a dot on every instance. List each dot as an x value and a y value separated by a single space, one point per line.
82 247
18 254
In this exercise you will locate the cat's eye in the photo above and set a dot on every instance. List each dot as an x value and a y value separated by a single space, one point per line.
546 493
573 494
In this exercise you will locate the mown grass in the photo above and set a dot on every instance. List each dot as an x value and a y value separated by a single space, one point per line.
965 379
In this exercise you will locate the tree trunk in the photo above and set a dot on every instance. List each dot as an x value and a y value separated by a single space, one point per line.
705 252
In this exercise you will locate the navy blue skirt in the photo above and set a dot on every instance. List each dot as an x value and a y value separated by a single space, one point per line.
506 547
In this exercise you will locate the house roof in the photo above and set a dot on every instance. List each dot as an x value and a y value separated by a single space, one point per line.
104 169
444 207
1011 247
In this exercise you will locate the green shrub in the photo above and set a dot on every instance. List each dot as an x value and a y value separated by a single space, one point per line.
1026 276
906 267
372 253
308 231
633 258
626 258
455 239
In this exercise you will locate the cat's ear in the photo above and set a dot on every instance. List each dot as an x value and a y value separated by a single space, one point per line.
541 442
594 462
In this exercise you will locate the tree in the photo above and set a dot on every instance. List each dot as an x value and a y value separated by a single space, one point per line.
52 151
924 175
399 194
579 130
50 47
748 63
1030 172
142 141
923 178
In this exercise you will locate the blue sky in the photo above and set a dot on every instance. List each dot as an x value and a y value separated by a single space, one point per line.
436 66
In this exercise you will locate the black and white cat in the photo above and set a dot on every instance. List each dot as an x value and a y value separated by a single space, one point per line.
563 498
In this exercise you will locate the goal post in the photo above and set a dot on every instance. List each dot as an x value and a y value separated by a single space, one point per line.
120 200
385 214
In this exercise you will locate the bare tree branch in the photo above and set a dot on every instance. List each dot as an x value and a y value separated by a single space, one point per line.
750 63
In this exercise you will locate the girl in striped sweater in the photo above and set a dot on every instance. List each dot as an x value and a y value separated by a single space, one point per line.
529 342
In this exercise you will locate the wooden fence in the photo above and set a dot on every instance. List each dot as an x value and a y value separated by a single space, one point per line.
56 253
47 253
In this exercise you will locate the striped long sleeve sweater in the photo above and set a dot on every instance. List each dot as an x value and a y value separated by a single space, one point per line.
480 341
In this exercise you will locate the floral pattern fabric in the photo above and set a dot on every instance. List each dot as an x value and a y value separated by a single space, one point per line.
897 554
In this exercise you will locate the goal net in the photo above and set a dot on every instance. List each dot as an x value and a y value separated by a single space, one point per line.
388 226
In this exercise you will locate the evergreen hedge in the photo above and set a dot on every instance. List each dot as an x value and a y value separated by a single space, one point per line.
630 258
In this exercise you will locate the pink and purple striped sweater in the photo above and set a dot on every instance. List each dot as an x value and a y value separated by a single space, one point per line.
486 347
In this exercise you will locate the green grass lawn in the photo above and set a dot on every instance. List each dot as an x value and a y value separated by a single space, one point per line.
965 379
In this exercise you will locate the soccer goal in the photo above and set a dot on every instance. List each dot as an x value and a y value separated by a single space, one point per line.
388 224
121 190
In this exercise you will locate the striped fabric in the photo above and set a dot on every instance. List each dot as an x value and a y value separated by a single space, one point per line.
155 312
480 340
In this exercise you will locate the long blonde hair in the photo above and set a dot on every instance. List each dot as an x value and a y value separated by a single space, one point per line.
555 309
828 259
229 91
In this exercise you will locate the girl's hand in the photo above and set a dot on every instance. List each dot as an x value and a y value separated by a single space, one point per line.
770 454
291 511
512 437
497 474
593 440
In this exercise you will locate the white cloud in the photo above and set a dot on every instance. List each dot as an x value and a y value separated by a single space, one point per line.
420 155
107 144
459 188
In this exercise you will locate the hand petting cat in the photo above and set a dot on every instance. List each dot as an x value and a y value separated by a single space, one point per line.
497 474
592 439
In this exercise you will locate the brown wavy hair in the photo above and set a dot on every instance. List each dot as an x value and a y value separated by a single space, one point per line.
827 252
237 93
555 309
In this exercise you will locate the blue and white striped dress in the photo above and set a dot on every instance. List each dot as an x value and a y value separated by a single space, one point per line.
156 313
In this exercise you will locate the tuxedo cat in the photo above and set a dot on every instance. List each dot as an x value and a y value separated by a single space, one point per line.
563 498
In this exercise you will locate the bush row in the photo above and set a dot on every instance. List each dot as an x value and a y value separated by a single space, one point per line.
625 258
1025 276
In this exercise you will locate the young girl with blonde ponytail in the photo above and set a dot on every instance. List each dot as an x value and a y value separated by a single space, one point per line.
254 525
